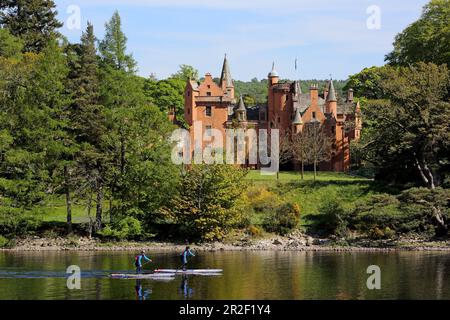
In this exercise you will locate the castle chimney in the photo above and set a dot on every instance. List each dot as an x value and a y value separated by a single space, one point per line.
350 95
325 93
314 93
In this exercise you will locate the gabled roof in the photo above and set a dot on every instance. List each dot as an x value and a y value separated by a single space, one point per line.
194 84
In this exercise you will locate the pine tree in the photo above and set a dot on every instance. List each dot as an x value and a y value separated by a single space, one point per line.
113 47
34 21
88 122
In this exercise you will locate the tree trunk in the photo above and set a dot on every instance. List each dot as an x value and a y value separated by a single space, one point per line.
302 168
278 175
315 170
99 212
442 228
68 200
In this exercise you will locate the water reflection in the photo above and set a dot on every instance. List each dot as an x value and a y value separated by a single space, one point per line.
246 275
185 290
141 294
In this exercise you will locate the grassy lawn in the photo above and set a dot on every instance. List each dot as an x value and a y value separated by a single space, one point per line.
56 211
309 195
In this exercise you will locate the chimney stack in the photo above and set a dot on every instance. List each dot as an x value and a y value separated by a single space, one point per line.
314 93
350 95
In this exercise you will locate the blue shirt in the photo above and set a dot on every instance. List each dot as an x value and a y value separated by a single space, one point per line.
186 254
142 256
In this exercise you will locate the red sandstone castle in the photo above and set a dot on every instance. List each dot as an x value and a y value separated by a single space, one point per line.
288 109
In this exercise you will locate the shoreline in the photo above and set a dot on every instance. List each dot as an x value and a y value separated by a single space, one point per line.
303 244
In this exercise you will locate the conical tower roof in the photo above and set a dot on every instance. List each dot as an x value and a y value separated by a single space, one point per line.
331 97
273 73
241 106
226 74
298 117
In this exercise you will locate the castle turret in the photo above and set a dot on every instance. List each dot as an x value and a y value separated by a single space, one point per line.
241 111
297 124
273 76
331 102
226 82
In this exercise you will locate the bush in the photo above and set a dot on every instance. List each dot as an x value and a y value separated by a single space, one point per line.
332 219
283 220
3 242
428 207
206 206
16 222
126 228
377 234
254 231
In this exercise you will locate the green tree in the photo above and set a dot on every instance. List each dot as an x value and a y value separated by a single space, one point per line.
34 21
366 83
186 72
86 118
408 138
205 205
427 39
114 45
10 46
167 94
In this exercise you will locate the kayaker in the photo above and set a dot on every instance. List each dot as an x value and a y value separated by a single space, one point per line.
184 257
138 261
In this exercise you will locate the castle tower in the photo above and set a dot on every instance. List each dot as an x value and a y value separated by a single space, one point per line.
273 76
241 111
331 102
297 124
226 82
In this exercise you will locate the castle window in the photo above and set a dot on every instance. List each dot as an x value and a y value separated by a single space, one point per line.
314 115
209 86
333 130
208 111
188 93
208 94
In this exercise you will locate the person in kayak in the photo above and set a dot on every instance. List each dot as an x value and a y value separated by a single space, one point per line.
184 257
138 261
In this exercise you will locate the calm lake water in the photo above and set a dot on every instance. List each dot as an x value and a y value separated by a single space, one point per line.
246 275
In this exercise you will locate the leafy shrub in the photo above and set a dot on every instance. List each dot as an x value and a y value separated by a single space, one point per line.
332 218
377 234
206 206
428 207
285 218
3 242
254 231
126 228
14 221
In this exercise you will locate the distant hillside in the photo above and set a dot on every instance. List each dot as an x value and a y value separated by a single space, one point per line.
255 90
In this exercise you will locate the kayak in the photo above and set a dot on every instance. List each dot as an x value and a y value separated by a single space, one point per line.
190 271
159 276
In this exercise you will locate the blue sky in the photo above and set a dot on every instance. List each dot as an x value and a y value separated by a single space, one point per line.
327 36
